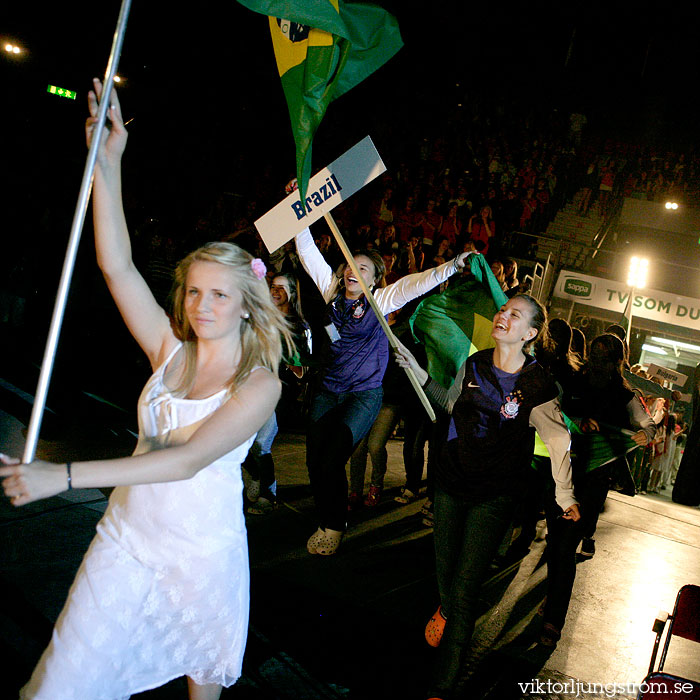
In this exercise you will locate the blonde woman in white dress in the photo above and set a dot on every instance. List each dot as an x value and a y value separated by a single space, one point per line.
163 589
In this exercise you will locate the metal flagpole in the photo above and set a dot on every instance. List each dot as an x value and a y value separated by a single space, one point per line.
378 312
74 240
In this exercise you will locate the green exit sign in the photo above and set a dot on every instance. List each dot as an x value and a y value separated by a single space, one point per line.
61 92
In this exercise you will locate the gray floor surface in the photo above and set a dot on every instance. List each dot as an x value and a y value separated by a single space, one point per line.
351 625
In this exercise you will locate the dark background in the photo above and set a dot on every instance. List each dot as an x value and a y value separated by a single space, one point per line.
209 114
208 118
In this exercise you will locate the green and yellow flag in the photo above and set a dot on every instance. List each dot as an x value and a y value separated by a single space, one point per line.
457 323
323 49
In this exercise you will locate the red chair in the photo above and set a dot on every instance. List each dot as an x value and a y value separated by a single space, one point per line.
684 622
664 686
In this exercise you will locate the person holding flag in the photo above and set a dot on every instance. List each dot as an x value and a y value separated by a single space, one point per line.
354 360
499 397
163 590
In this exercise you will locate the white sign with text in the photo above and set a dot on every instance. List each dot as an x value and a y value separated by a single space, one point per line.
667 374
613 296
328 188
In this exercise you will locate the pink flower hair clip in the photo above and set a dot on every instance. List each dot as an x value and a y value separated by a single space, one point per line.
258 267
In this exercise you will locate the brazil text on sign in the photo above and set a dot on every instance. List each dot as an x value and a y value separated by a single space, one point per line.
328 188
316 198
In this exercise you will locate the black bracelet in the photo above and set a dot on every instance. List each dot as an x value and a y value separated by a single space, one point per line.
70 480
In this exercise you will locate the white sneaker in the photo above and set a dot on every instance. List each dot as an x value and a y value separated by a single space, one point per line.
262 506
406 496
324 542
314 540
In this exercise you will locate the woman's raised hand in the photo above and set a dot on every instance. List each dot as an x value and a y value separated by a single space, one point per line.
461 259
114 134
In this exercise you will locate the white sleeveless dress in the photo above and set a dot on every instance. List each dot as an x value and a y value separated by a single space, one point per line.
163 590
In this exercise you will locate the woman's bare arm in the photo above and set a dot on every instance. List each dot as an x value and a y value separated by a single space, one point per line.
228 427
146 320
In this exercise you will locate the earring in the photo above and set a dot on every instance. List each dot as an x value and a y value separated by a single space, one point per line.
245 315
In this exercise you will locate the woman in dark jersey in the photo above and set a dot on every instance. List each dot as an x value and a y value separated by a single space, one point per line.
497 401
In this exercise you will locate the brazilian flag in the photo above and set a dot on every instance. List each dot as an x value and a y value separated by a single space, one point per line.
323 49
457 323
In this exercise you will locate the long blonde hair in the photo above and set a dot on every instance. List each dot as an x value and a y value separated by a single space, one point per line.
262 332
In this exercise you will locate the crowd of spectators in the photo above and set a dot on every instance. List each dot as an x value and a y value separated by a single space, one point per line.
487 172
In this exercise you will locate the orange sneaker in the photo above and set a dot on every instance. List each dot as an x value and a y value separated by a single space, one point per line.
435 628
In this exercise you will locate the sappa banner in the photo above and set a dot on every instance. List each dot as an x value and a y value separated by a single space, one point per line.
613 296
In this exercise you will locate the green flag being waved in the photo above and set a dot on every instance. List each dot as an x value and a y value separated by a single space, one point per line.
323 48
589 450
457 323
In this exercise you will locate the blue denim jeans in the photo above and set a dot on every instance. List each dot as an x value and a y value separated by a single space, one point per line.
266 436
337 423
467 536
259 462
374 443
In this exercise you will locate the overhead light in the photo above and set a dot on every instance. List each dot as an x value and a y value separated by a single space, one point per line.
638 271
654 348
676 344
671 205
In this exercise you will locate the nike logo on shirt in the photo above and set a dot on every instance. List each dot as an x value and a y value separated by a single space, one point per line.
473 386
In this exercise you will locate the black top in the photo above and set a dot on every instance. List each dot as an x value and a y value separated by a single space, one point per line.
491 437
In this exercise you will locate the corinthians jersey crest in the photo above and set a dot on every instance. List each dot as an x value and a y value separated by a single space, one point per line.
511 405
